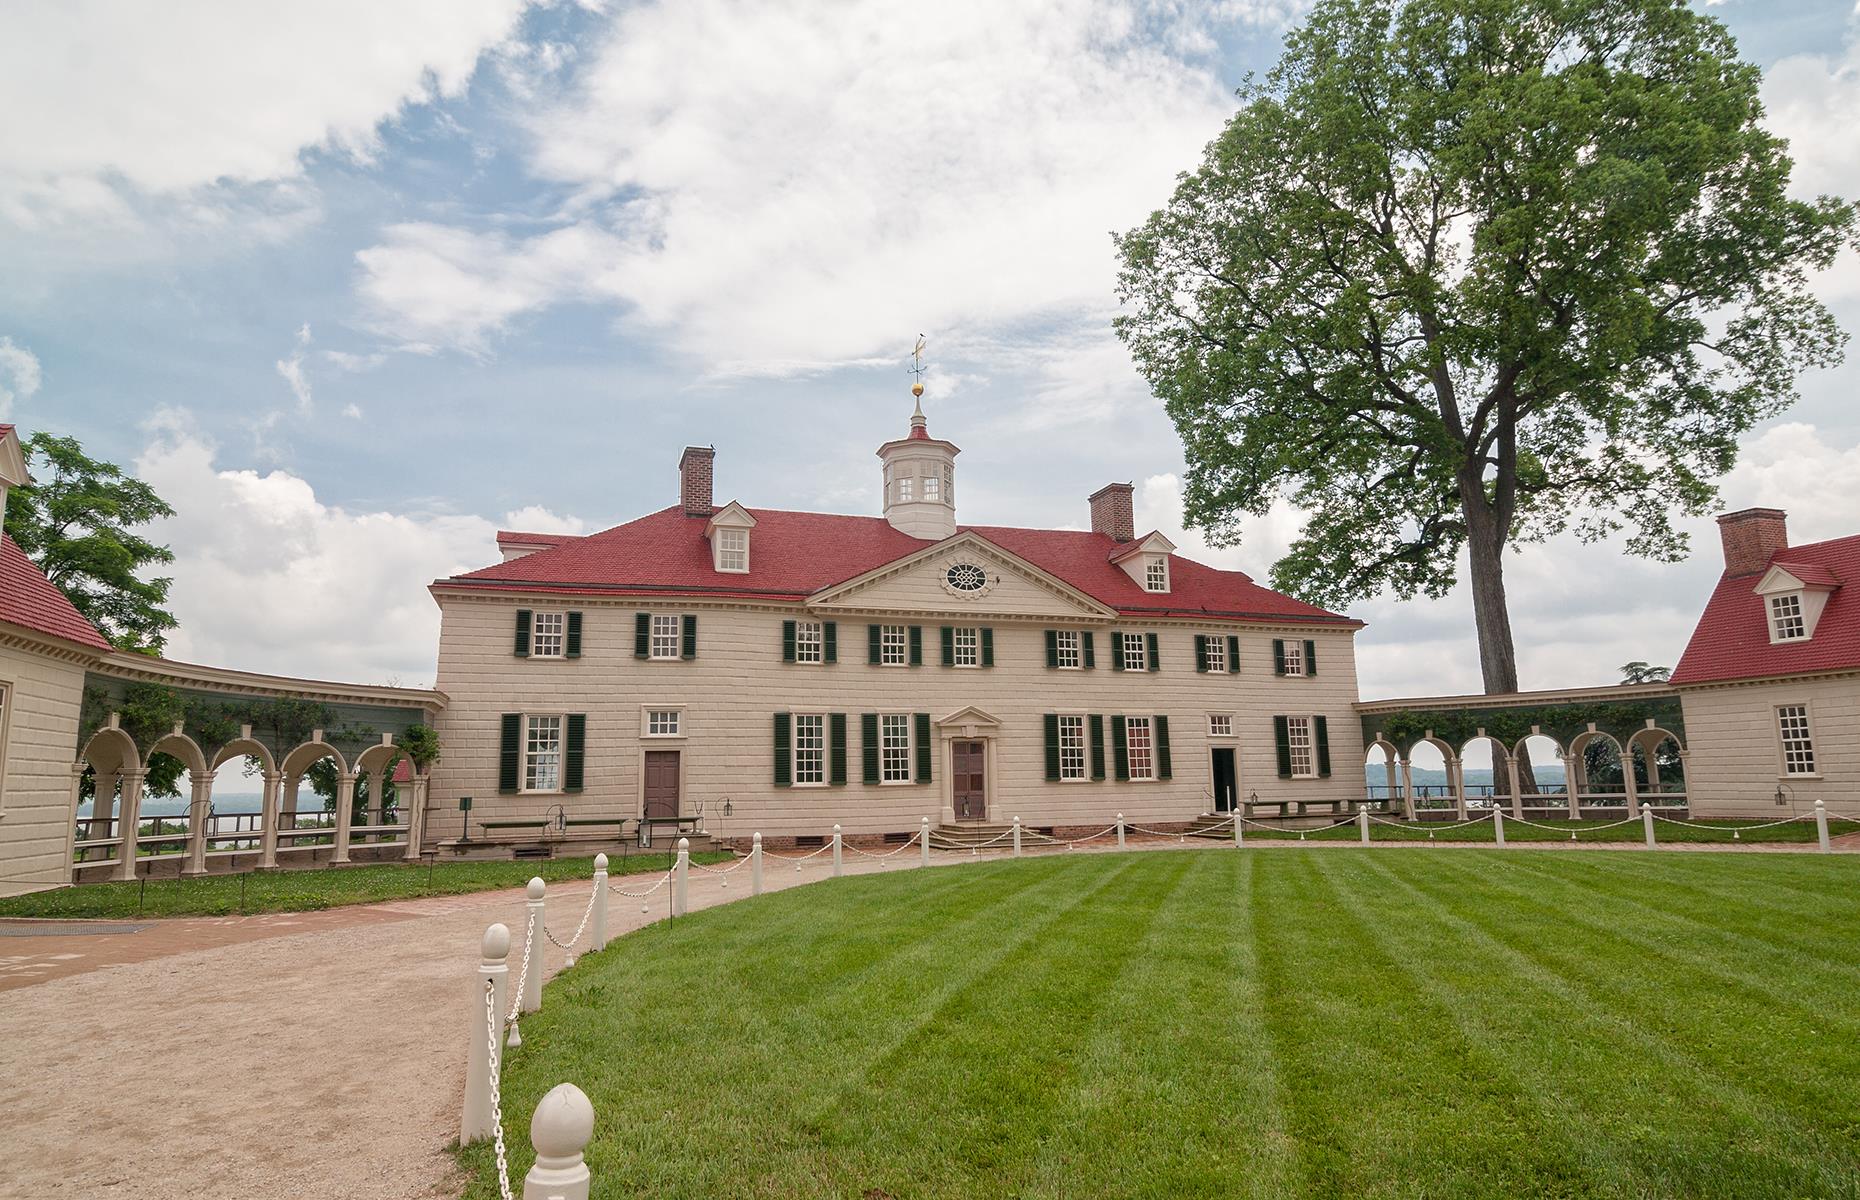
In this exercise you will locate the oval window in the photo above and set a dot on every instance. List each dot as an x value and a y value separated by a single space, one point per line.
967 577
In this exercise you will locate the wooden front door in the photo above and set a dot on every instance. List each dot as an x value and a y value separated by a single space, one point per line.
661 783
1224 779
969 777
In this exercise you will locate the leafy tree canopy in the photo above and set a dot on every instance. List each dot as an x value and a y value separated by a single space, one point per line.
78 522
1466 273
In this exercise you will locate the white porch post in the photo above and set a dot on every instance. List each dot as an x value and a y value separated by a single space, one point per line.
269 809
1388 767
1572 783
345 815
197 825
1407 782
1627 782
412 801
131 822
1517 789
102 803
1456 775
77 795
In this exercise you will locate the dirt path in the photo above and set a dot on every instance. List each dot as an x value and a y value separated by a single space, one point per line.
302 1056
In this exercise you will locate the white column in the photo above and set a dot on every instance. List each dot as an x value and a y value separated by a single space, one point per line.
598 938
345 816
755 865
1456 774
131 822
533 952
104 786
484 1034
377 795
1517 786
268 819
197 825
1627 782
923 843
1388 767
1407 781
1572 784
837 865
412 799
77 797
559 1131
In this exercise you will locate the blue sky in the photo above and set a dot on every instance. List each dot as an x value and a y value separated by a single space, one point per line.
356 284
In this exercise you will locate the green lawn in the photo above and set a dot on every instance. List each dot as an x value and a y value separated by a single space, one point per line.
1219 1023
1551 829
302 891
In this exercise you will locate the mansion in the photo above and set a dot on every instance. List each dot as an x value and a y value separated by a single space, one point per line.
733 669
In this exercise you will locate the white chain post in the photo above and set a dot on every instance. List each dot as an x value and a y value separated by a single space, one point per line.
1234 812
1362 822
681 875
923 843
1646 821
836 852
560 1130
599 941
1821 827
755 865
1120 831
1498 824
485 1034
1016 837
533 952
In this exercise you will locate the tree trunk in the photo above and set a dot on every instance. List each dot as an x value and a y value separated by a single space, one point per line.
1498 658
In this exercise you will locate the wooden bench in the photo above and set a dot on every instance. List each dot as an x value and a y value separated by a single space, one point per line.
689 824
1285 806
488 826
619 824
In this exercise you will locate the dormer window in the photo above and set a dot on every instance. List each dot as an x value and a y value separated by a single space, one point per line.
1156 574
732 550
1787 621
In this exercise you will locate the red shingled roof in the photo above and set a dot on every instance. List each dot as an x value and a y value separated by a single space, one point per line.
795 554
30 600
1732 640
513 537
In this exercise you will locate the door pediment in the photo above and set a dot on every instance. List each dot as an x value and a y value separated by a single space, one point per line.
963 576
970 717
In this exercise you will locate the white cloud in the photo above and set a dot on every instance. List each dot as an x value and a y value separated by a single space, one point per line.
352 411
269 578
19 374
139 131
537 519
291 369
892 175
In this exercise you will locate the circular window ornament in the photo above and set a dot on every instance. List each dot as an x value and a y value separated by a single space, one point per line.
966 578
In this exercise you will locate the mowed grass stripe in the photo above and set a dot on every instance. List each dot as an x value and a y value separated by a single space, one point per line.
1173 1094
989 1071
1692 1129
1820 886
1381 1093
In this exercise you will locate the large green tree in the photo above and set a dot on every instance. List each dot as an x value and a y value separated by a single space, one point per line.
1461 274
78 521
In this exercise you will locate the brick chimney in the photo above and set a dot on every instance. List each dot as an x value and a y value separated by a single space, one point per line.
1751 537
1111 512
694 479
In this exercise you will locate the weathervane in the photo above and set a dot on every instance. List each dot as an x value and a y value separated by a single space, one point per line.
917 367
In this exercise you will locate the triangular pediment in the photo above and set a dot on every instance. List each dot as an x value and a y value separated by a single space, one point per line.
12 460
972 717
1780 578
943 579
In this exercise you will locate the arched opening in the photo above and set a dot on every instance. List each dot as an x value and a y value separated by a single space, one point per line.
1381 783
1659 768
234 823
169 815
1485 773
1428 774
382 804
105 797
1540 762
1601 780
307 823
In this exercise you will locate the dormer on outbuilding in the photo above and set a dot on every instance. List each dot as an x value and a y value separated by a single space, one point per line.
728 533
920 481
1794 596
1146 561
12 466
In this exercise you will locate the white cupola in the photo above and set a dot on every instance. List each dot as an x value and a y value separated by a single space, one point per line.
920 480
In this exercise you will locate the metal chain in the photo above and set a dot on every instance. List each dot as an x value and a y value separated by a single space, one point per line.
497 1096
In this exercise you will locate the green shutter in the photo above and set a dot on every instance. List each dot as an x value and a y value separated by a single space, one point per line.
1278 656
1233 654
574 753
1164 767
917 645
690 646
988 646
510 753
1321 733
836 747
1117 650
1155 661
1091 659
787 641
642 635
1201 653
949 646
1097 746
923 747
872 652
523 633
571 643
1052 747
868 746
1120 749
1282 739
1310 657
1052 647
830 641
784 751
